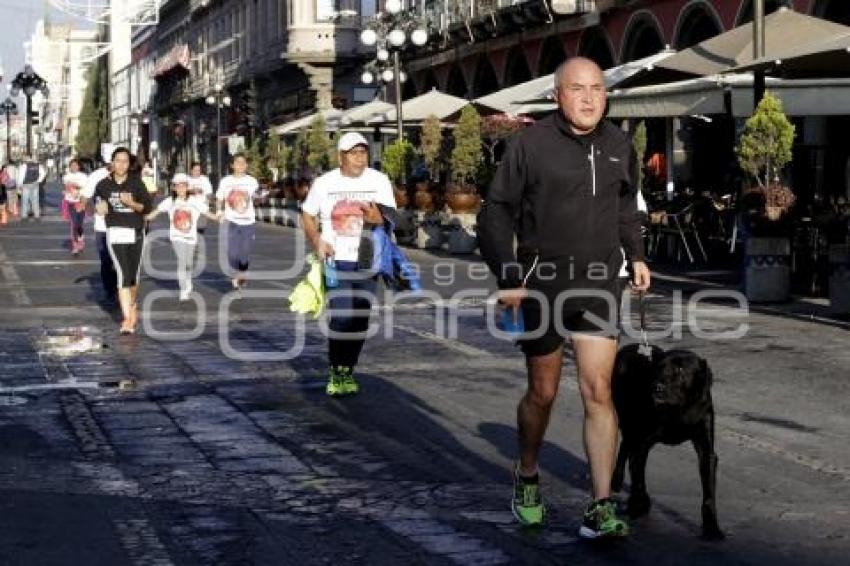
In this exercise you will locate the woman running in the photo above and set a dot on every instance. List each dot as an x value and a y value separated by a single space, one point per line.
124 201
235 196
74 181
183 213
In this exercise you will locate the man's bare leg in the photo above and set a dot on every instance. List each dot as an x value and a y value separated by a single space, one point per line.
544 375
595 361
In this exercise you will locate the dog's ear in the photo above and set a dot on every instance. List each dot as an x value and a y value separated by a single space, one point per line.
706 371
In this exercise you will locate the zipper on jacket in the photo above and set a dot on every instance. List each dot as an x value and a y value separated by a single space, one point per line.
531 270
592 158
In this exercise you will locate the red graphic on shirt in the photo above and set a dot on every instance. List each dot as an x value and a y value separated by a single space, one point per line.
72 190
182 221
238 201
347 218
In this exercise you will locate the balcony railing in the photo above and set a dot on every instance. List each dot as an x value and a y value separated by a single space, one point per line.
444 15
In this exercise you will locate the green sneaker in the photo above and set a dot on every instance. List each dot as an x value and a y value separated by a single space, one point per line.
335 386
600 520
527 503
349 384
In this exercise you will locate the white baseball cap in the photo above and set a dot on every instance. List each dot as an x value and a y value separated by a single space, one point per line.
180 178
351 140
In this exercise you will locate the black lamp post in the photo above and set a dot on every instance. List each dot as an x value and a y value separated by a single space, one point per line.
220 100
9 108
390 31
29 82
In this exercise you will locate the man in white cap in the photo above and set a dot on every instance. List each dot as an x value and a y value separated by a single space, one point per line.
339 210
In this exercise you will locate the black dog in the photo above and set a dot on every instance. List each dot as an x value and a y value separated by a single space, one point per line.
664 398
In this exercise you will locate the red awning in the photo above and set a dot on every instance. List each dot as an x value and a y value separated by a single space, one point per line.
177 57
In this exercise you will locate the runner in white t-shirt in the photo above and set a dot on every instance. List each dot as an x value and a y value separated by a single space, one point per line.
74 181
183 214
200 191
235 198
343 203
108 275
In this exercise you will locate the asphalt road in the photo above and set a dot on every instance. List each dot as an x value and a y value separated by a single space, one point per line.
208 439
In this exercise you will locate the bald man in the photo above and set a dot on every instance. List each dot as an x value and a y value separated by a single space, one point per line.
566 190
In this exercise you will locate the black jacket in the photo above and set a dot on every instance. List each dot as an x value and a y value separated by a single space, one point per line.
571 203
118 214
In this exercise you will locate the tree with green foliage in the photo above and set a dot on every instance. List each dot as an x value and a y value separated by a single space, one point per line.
639 145
275 157
94 115
431 145
466 155
318 145
298 157
766 142
397 159
257 166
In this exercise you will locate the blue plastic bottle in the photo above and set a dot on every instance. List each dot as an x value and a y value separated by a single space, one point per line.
514 327
331 279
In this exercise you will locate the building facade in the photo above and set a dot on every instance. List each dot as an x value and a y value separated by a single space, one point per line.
61 54
275 59
485 45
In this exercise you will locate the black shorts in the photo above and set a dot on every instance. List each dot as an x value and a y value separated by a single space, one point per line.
594 317
127 258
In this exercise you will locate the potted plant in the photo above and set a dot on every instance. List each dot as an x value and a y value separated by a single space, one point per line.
764 150
462 193
318 146
396 162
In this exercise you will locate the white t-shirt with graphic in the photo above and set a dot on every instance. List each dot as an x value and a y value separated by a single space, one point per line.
336 200
202 184
74 183
88 192
238 196
182 219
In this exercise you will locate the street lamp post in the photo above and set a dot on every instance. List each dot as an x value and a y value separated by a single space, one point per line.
29 82
758 49
390 31
220 100
9 108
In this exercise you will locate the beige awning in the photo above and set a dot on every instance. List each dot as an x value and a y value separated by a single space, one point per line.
535 96
360 115
415 110
705 96
734 48
823 58
331 121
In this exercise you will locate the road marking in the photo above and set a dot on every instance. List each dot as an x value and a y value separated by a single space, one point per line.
54 262
459 347
50 387
19 295
747 441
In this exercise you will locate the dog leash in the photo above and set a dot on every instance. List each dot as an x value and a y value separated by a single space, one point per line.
644 348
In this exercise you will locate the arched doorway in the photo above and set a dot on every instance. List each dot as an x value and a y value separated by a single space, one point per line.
516 69
456 85
552 54
697 23
596 45
485 81
642 38
745 14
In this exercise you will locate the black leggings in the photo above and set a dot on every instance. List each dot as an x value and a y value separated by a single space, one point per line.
127 259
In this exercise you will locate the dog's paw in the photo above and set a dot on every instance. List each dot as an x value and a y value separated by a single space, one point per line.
638 505
712 533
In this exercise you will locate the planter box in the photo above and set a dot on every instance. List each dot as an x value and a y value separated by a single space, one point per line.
767 269
839 279
461 233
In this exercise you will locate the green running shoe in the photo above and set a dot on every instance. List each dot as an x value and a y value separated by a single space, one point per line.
349 384
336 386
600 520
527 503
